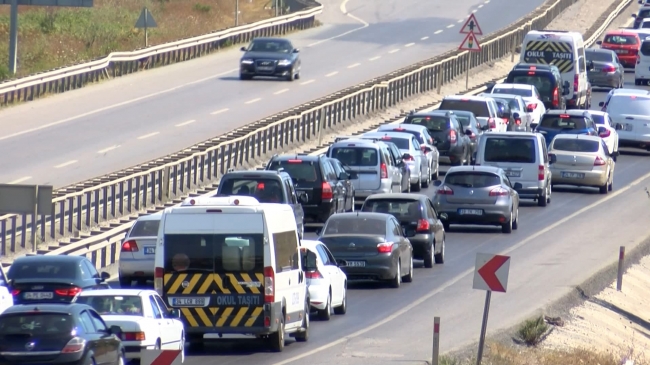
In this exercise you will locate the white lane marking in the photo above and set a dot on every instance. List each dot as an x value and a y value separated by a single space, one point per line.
354 65
148 135
395 50
461 276
424 38
461 20
474 11
409 45
117 105
438 31
331 74
480 6
375 58
220 111
344 10
450 26
253 101
280 91
113 147
308 82
22 179
185 123
487 1
66 164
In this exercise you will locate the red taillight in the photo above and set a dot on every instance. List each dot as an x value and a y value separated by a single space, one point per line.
540 173
133 336
605 133
533 105
576 82
77 344
518 121
608 68
15 292
68 292
294 161
313 275
327 193
472 137
386 247
599 161
384 171
129 246
492 124
556 97
453 137
269 285
423 226
445 190
499 192
158 275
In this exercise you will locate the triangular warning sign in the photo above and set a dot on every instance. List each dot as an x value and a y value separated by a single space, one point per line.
470 43
146 20
471 26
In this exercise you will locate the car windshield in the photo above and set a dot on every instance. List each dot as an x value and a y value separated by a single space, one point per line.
575 145
402 209
264 190
275 46
145 228
113 305
432 123
599 56
401 143
510 150
472 179
620 39
512 91
563 122
478 107
356 156
347 224
543 83
42 269
33 325
628 104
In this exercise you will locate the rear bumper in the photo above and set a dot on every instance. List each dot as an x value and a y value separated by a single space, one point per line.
271 310
492 214
592 178
530 189
380 267
451 156
604 79
421 245
133 349
384 188
136 268
318 213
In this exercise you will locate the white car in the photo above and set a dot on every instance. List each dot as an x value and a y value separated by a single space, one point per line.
610 136
146 322
534 104
6 299
326 282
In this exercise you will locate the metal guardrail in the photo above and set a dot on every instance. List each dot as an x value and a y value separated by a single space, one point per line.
119 64
160 182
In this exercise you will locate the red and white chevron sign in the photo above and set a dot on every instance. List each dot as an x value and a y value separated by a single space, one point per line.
161 357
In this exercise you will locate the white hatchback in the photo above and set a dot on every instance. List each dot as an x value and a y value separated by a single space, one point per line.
326 282
609 135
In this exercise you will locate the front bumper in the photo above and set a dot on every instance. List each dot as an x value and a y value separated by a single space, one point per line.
276 71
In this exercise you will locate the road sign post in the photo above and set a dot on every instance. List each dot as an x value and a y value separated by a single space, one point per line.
146 21
490 274
470 43
435 355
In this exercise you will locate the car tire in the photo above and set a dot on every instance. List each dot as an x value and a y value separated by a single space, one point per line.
440 256
507 227
605 188
446 225
435 175
276 339
637 82
291 76
425 184
408 278
543 200
515 224
418 185
126 282
428 260
303 335
343 308
326 314
396 282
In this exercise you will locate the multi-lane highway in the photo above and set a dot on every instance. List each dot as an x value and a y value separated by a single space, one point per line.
103 128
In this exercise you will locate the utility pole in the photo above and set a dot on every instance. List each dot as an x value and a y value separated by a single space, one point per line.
236 13
13 36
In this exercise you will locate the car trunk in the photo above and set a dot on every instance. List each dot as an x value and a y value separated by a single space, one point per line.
470 195
442 139
34 338
348 246
363 161
43 290
574 161
598 68
126 323
146 246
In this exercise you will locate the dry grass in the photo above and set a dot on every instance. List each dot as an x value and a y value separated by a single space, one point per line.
53 37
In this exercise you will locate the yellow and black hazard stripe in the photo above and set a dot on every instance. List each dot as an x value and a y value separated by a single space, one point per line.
239 316
533 49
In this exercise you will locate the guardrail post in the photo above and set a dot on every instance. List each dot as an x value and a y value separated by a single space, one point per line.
164 184
621 263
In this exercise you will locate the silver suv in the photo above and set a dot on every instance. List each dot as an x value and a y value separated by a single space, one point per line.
372 162
139 251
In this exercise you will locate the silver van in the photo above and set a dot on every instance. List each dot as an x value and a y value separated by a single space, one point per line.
524 158
371 160
138 252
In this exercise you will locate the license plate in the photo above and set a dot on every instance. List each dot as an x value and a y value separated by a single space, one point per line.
150 250
39 295
265 68
188 302
622 51
470 212
356 264
573 175
513 173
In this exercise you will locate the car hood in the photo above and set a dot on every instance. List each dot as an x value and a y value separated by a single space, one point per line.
267 56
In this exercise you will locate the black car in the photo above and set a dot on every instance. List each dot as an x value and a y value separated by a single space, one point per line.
449 137
369 246
267 187
66 334
644 12
52 279
314 176
271 57
546 78
348 186
469 122
419 220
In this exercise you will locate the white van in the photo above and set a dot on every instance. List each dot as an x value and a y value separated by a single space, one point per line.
231 265
566 50
642 68
524 158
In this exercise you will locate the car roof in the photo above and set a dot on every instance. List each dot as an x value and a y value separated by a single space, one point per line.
506 96
511 134
403 196
492 169
388 134
311 244
437 113
287 157
571 112
150 217
271 39
599 50
458 112
630 92
597 112
578 136
466 98
619 32
66 308
358 214
116 292
513 86
538 66
632 96
405 126
50 258
356 141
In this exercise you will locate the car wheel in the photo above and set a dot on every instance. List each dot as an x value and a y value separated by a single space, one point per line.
428 260
605 188
291 76
125 282
276 340
637 82
396 282
434 176
615 157
425 184
440 256
515 224
408 278
408 185
610 187
446 225
507 227
181 347
417 186
326 314
303 335
121 360
343 308
542 200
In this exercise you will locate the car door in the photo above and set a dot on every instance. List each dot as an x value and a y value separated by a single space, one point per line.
94 338
339 274
437 227
331 274
332 179
160 322
109 342
397 234
419 155
394 171
401 177
173 329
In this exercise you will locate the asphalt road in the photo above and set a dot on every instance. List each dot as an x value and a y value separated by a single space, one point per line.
100 129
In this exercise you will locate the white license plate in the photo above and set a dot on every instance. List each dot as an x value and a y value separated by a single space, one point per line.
265 68
188 302
150 250
573 175
356 264
470 212
39 295
513 173
622 51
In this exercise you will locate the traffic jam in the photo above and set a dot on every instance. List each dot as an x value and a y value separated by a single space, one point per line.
238 261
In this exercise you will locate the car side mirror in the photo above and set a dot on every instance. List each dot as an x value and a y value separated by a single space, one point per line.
437 183
602 130
485 127
341 263
319 231
243 49
615 154
303 198
590 66
601 104
599 43
296 50
426 149
406 156
633 15
104 276
352 175
115 330
618 127
343 175
515 115
518 186
552 158
174 313
308 260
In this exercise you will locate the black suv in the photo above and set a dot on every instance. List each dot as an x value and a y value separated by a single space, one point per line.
644 12
267 187
314 176
449 137
546 78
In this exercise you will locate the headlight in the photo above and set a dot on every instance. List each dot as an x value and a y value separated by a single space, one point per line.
247 62
284 63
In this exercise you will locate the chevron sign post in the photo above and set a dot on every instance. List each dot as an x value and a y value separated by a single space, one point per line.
161 357
490 274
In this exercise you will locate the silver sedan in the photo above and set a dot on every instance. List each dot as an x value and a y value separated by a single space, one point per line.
480 195
139 251
427 143
605 70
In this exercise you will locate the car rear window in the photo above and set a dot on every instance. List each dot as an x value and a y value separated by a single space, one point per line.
599 56
463 119
542 81
401 143
620 39
563 122
509 150
42 269
598 119
575 145
113 305
34 325
645 48
472 179
299 170
148 228
479 108
417 135
628 104
432 122
356 156
402 209
214 253
355 225
513 91
264 190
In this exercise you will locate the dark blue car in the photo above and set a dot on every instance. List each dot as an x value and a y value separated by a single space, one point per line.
575 121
